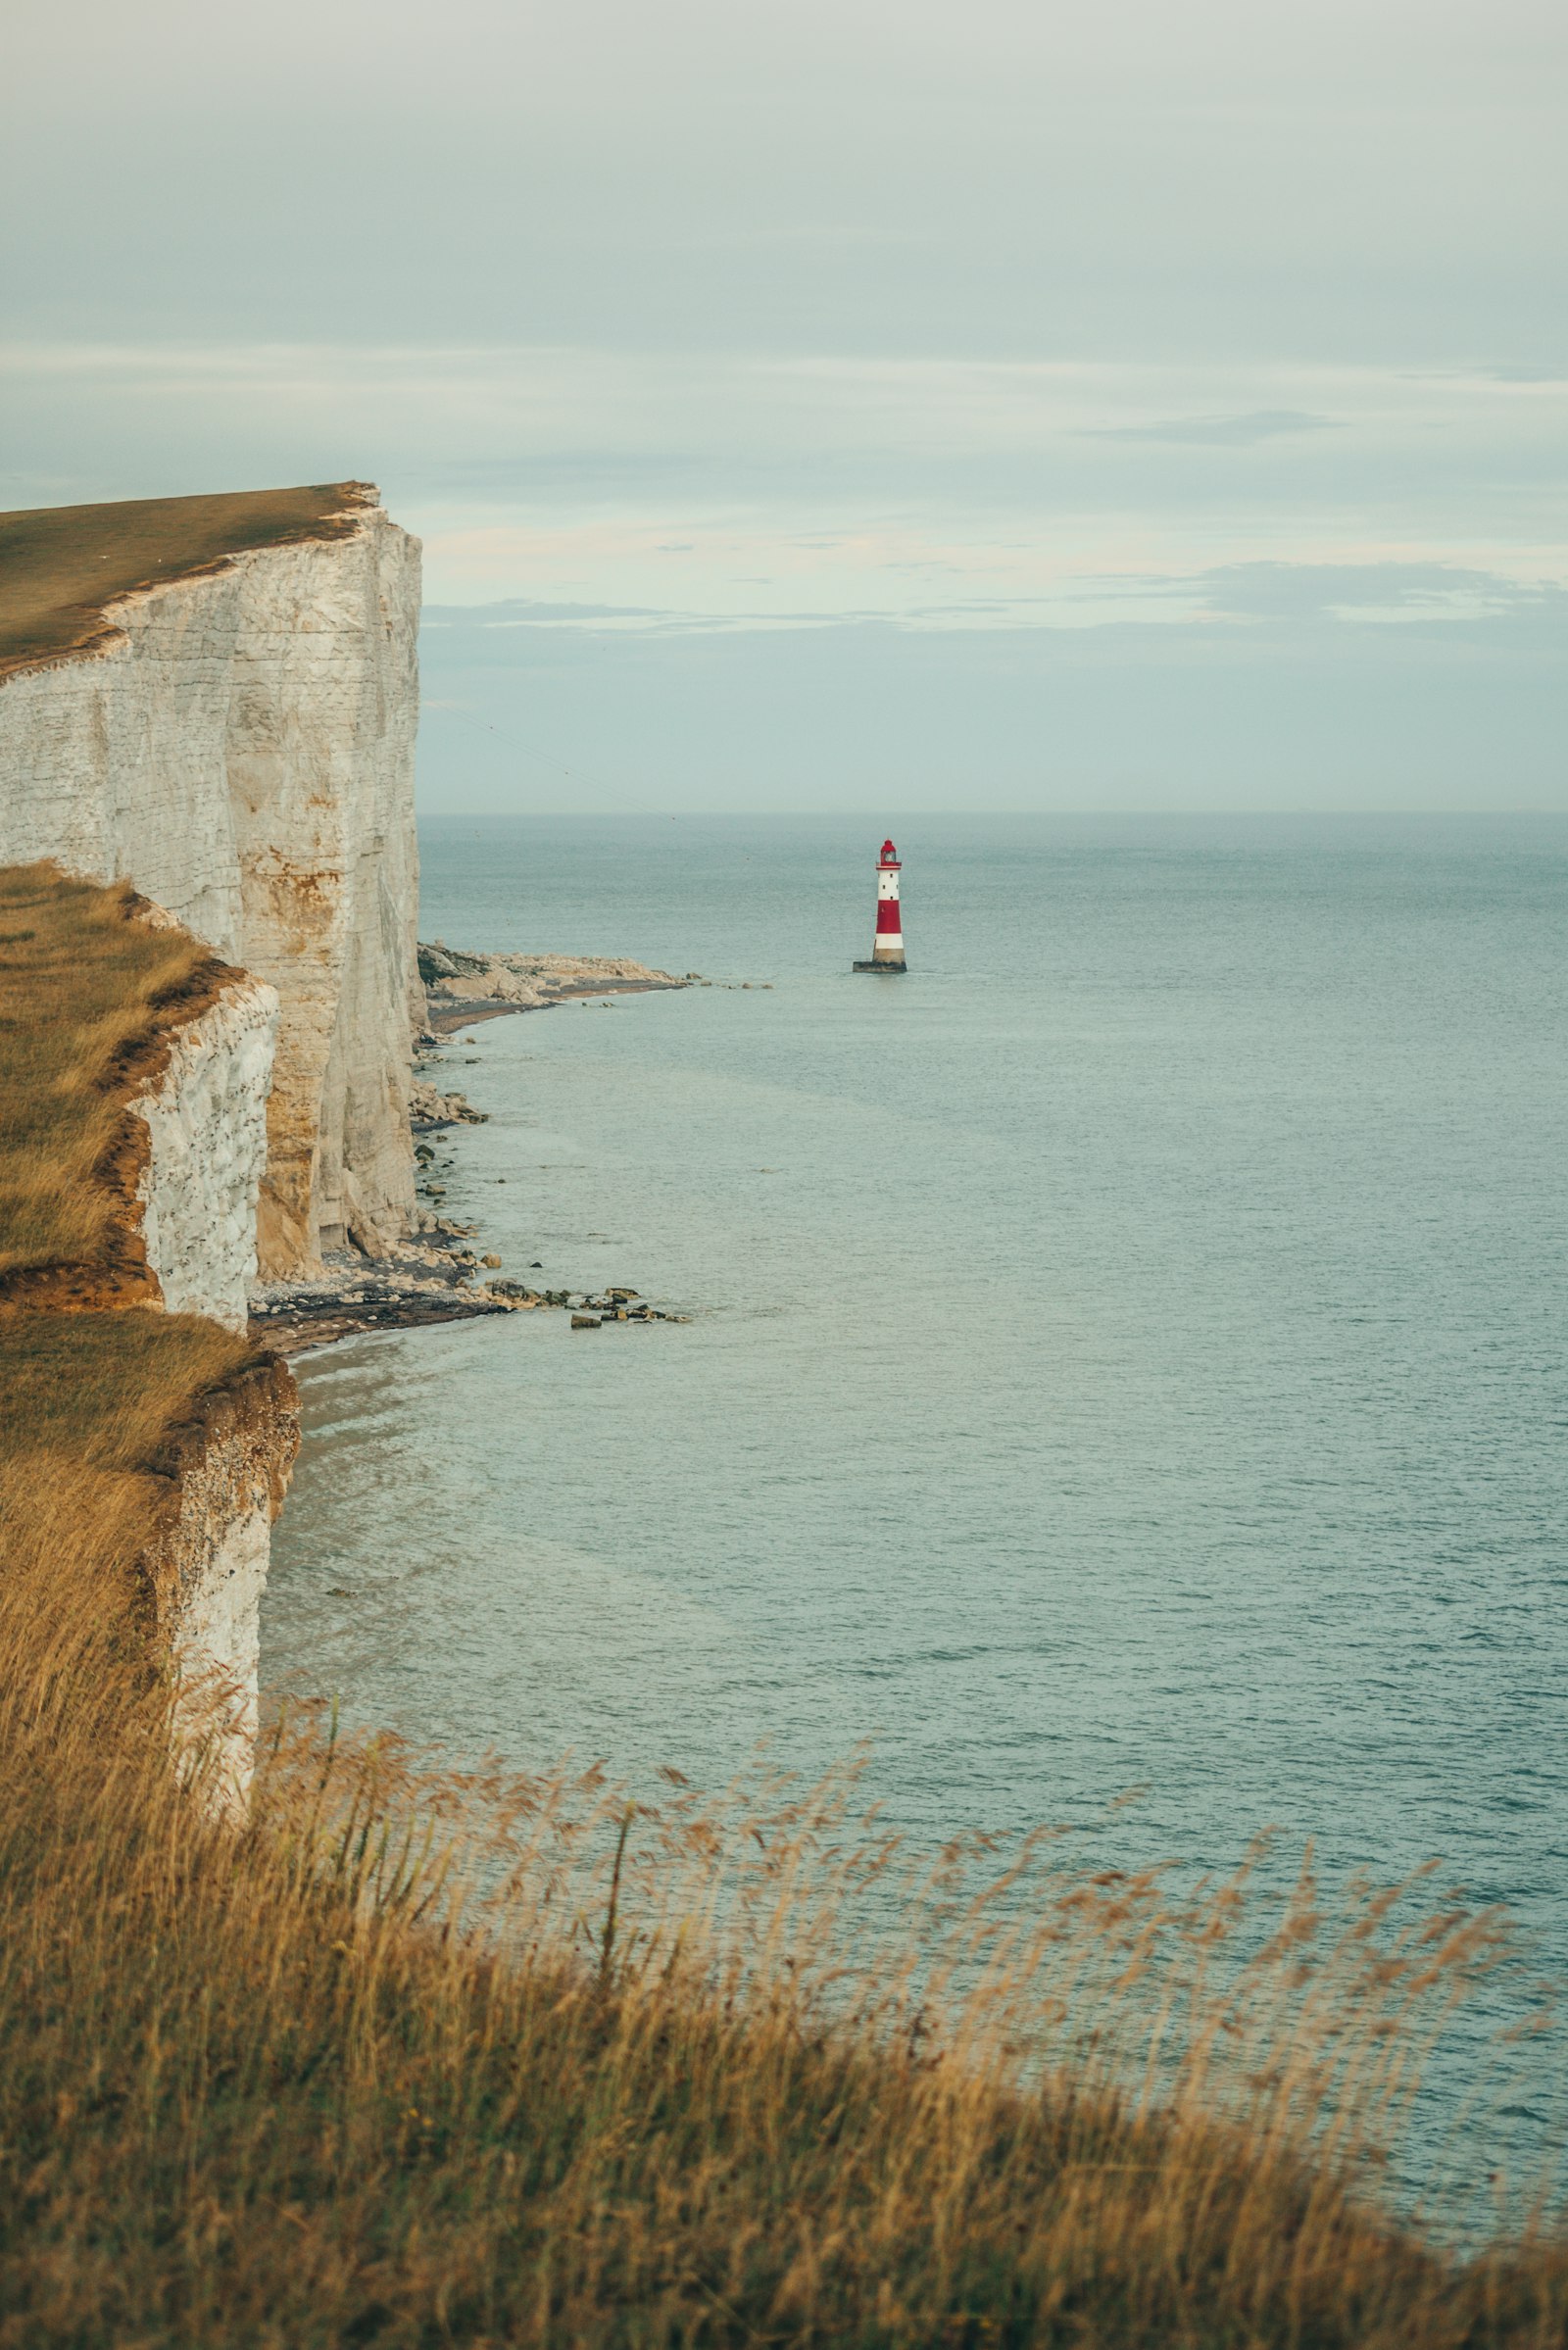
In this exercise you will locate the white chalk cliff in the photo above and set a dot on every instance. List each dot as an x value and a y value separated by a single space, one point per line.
239 743
206 1121
227 1473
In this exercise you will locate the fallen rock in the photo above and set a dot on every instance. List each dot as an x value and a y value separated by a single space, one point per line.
428 1107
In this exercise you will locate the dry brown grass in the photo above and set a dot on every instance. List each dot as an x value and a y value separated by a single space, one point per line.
87 1401
61 564
417 2059
83 991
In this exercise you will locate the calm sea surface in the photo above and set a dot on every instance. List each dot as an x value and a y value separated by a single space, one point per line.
1129 1351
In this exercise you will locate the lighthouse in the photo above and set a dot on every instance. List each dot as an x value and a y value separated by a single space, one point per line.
887 955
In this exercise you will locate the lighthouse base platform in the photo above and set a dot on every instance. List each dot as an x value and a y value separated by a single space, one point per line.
886 965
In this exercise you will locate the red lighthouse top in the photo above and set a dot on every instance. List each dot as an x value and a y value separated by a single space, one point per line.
890 855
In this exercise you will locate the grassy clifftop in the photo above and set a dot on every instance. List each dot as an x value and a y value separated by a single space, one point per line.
60 565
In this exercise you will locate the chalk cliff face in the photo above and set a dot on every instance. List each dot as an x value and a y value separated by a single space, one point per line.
205 1567
205 1120
229 1469
239 741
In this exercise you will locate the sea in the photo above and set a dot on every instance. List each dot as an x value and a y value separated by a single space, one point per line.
1126 1356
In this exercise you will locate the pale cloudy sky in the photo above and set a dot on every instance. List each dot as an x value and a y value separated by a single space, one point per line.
1086 404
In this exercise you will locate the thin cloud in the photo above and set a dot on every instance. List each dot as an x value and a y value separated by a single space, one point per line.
1356 592
1219 432
1229 597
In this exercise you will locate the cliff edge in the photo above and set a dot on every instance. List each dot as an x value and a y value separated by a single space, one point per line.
145 1442
217 697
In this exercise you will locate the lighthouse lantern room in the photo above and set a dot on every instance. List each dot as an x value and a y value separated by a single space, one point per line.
887 955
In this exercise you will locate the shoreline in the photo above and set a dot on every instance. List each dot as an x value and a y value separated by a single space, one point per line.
424 1280
447 1017
373 1296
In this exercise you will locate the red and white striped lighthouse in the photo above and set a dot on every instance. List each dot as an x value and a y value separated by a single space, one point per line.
888 952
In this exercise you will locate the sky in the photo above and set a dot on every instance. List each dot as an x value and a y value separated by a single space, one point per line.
928 404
